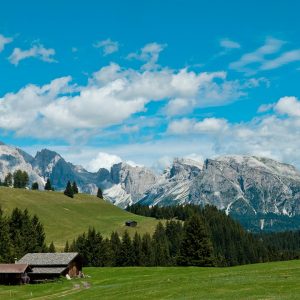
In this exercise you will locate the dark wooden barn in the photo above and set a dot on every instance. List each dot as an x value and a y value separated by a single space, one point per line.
14 274
51 265
131 223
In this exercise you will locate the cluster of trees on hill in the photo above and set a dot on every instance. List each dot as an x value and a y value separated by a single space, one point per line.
19 234
232 244
206 238
19 179
172 244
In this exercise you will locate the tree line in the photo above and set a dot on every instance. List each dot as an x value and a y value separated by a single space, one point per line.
232 244
20 179
171 244
20 234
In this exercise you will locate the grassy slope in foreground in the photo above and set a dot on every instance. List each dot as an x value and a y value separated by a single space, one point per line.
65 218
278 280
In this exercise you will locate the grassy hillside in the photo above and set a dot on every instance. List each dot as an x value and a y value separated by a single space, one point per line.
65 218
261 281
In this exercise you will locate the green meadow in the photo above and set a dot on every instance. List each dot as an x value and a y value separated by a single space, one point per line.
65 218
278 280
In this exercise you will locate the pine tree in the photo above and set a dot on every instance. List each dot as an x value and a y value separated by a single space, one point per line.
6 247
174 232
196 247
20 179
51 248
66 249
69 190
48 186
147 258
137 250
99 193
75 188
126 250
115 245
8 180
35 186
161 246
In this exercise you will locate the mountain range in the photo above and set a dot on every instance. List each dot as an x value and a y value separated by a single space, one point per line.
262 193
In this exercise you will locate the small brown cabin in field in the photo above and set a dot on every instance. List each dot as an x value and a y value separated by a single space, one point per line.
14 274
51 265
131 223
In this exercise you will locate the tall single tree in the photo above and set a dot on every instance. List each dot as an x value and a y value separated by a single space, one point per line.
67 247
6 247
8 180
196 247
99 193
69 190
35 186
126 250
48 186
74 187
161 246
115 245
147 258
51 248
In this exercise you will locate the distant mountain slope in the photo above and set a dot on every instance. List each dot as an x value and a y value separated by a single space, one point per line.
248 187
65 218
240 184
122 185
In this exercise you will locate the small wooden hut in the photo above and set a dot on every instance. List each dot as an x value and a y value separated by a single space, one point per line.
51 265
14 274
131 223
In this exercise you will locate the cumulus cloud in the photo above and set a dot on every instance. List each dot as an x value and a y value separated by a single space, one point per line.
112 95
108 46
229 44
4 41
103 160
37 51
188 126
149 54
289 106
272 135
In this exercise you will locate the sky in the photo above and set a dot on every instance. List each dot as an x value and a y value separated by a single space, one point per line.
146 81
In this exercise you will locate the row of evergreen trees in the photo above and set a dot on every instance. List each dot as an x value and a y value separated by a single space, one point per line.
232 244
172 244
19 234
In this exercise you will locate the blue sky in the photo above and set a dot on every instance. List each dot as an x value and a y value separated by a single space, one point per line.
150 80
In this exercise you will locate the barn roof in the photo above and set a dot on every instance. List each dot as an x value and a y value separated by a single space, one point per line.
48 270
13 268
48 259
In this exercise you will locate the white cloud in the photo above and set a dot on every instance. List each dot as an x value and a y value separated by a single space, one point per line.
229 44
265 107
271 135
108 46
4 41
103 160
37 51
112 95
179 106
283 59
188 126
149 54
289 106
253 61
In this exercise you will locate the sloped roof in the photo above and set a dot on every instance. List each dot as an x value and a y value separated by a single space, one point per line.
47 259
48 270
13 268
